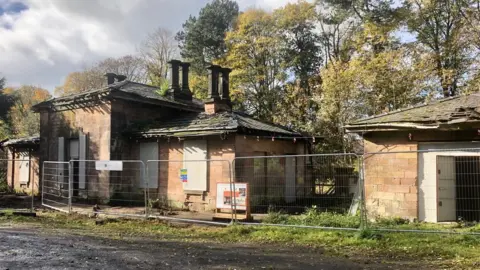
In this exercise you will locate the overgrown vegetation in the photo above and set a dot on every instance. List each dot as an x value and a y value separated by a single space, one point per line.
442 251
314 217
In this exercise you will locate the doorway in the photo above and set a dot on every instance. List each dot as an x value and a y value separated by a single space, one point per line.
73 156
458 188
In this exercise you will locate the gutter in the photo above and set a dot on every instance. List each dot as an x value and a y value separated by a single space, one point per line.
386 127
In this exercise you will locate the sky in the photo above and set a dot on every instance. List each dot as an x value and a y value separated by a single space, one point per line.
41 41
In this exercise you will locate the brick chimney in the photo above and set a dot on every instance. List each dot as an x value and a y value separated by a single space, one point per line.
174 90
216 101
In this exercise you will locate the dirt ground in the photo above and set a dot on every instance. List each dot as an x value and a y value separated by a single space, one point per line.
34 248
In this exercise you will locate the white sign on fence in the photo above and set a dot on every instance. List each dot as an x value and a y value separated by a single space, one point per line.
109 165
226 198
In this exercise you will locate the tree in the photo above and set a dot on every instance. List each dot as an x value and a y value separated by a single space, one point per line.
156 50
255 55
131 66
301 55
23 120
81 81
93 77
202 39
5 103
337 26
441 29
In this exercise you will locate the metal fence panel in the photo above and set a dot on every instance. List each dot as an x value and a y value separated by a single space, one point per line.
56 185
299 184
108 187
185 189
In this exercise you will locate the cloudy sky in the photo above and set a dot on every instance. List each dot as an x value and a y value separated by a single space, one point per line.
41 41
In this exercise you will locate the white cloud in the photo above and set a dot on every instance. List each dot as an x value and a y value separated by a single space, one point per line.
52 38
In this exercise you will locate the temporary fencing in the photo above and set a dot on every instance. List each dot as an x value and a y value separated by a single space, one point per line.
387 191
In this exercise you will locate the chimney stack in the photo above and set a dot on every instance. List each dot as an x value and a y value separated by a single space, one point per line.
218 101
110 78
175 91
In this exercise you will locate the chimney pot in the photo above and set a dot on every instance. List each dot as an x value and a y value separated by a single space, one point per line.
225 85
174 75
213 71
110 77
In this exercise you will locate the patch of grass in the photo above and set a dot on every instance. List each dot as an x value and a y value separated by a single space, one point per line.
439 249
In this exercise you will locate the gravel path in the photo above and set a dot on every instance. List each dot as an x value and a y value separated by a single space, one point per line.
33 249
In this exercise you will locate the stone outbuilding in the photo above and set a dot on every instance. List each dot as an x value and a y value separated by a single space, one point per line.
133 121
20 166
424 162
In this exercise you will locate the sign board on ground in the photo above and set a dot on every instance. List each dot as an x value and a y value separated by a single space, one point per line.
109 165
183 175
227 198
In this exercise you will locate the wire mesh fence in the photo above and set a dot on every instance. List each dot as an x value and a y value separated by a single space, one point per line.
108 187
185 189
56 186
308 188
434 190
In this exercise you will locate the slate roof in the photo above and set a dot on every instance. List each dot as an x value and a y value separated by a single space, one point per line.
198 124
125 90
449 111
33 140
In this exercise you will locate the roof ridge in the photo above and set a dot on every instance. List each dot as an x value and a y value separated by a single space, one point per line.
411 108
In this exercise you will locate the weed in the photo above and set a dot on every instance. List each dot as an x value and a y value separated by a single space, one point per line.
276 218
368 234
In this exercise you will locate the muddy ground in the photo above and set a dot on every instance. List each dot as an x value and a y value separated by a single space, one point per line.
33 248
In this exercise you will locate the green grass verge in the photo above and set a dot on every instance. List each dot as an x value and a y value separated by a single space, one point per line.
312 217
439 250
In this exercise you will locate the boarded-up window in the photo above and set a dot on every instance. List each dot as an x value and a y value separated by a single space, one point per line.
194 156
149 151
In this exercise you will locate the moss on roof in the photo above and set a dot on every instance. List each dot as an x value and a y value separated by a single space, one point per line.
438 112
202 123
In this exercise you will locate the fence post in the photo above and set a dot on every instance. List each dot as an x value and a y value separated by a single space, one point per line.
43 181
70 186
32 183
363 208
232 189
145 178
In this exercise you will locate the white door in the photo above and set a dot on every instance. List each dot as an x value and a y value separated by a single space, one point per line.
290 178
194 156
149 151
446 193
